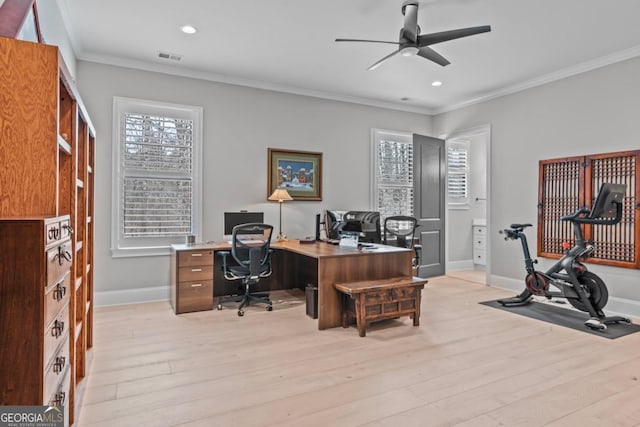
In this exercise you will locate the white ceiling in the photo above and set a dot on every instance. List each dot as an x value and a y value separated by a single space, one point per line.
288 45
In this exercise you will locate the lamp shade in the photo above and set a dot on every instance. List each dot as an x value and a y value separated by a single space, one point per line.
280 195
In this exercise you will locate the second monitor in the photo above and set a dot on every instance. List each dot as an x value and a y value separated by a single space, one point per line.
365 223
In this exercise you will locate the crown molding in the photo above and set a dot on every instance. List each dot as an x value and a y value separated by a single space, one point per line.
547 78
256 84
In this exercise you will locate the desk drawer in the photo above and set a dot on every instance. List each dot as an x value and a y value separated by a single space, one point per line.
191 258
56 298
58 262
195 273
57 332
195 296
58 366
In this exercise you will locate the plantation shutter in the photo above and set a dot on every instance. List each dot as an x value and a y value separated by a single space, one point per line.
157 159
458 173
394 178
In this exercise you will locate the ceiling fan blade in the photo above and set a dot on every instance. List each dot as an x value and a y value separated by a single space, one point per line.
366 41
377 64
410 27
432 55
433 38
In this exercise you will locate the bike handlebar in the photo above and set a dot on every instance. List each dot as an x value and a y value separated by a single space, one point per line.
575 217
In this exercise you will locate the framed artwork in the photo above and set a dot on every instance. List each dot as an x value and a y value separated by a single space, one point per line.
298 172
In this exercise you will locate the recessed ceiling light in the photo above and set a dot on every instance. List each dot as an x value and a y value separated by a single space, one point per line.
436 83
404 99
189 29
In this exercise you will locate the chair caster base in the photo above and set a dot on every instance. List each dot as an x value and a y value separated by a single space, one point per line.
269 308
240 313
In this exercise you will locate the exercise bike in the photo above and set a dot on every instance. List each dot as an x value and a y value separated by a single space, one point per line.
583 289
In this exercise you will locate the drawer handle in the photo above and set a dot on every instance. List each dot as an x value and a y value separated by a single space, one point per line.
62 255
54 233
68 227
196 285
196 254
59 292
59 398
196 269
57 328
59 364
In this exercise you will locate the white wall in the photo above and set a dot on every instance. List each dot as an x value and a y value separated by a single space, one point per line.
594 112
240 123
53 30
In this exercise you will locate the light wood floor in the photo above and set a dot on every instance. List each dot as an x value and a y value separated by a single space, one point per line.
465 365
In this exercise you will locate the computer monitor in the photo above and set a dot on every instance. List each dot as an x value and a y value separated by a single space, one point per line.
365 223
231 219
608 196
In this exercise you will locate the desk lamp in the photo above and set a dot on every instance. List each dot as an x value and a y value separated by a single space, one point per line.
280 195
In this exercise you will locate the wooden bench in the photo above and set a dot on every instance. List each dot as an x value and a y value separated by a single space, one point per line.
380 299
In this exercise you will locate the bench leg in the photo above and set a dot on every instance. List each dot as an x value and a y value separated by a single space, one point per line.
360 315
416 315
345 315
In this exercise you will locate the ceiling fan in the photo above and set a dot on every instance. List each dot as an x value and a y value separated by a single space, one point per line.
411 42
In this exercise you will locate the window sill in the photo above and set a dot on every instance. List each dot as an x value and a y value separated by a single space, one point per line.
140 252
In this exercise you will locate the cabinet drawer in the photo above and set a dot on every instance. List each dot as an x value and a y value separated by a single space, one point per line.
61 397
56 333
479 242
195 273
57 368
191 258
56 298
195 296
479 257
58 262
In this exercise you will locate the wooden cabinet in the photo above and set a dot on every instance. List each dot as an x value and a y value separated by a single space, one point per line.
191 278
47 152
34 312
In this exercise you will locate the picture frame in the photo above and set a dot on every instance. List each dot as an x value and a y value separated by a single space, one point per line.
298 172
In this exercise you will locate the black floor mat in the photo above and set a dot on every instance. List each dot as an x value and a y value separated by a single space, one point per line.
565 317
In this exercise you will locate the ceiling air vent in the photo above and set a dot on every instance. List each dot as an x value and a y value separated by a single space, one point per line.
167 55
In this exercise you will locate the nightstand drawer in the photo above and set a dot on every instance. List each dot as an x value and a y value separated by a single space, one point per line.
191 258
195 273
195 296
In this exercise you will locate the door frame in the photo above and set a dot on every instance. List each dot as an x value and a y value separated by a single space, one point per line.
481 130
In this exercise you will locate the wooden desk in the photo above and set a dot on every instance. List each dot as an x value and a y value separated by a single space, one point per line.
296 264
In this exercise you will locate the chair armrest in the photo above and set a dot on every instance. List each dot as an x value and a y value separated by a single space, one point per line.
224 255
418 251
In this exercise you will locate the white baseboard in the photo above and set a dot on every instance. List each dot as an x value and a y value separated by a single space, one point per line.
615 306
466 264
131 296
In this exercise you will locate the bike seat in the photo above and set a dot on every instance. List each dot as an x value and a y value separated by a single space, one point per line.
519 226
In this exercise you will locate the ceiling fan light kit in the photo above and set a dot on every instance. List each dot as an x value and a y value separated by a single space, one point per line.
411 42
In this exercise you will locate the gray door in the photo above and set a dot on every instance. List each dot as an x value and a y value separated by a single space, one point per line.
429 181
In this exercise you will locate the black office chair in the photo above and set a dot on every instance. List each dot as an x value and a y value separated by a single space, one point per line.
252 258
400 231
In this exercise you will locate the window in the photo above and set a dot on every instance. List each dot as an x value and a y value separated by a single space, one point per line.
567 184
156 176
458 174
392 190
